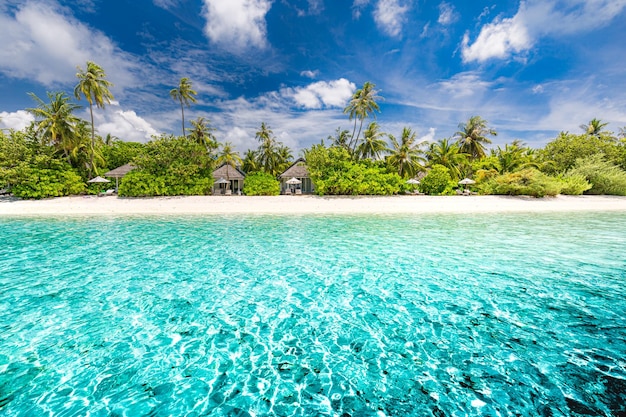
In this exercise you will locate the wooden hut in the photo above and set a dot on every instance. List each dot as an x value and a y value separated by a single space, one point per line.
300 171
234 180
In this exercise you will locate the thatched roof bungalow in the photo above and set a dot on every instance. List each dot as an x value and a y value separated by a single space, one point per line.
299 171
232 175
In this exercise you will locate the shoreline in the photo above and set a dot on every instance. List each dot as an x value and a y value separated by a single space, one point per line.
306 204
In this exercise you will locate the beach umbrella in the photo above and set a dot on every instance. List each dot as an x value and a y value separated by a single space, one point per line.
293 181
222 181
467 181
98 179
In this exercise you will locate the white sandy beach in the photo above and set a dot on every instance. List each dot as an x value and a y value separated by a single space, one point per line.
214 205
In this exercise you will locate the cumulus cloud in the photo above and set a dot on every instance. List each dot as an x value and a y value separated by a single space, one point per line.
447 15
389 16
16 120
322 94
42 43
124 124
534 19
237 25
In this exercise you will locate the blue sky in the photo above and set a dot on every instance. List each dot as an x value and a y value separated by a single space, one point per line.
530 68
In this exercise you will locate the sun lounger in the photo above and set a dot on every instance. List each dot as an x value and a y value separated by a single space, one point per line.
298 191
107 192
228 192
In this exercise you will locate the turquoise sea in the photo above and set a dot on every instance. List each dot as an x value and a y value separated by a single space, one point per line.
430 315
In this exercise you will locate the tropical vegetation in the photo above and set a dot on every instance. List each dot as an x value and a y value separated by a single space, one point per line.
59 152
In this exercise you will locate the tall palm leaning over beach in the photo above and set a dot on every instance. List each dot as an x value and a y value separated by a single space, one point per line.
362 104
94 87
184 94
472 136
406 156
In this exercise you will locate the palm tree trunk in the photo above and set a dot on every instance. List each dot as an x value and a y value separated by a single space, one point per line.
182 110
93 140
358 134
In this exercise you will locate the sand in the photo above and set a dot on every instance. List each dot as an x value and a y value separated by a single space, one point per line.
218 205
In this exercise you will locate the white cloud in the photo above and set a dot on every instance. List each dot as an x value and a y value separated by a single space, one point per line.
447 15
534 19
429 137
357 6
237 25
322 94
124 124
42 43
390 16
309 73
16 120
497 40
465 84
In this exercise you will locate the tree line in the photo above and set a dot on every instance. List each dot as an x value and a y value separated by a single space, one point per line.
58 153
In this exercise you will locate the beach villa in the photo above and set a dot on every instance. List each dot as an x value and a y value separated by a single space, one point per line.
298 171
228 180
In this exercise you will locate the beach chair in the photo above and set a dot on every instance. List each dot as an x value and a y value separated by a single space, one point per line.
228 192
288 191
298 191
107 192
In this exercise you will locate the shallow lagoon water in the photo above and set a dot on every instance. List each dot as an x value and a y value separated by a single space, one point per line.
442 315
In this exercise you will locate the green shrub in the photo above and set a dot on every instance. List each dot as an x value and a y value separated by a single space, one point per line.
45 182
573 184
529 182
261 183
605 177
334 172
436 181
138 183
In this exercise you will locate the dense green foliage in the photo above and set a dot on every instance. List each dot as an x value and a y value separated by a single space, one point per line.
170 166
605 177
574 184
335 172
438 181
261 183
120 153
528 181
561 154
32 170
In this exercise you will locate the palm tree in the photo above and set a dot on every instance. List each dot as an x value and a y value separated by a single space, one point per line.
594 128
340 139
184 94
56 119
249 163
202 133
229 156
373 144
472 136
514 157
95 88
406 156
447 153
362 104
266 154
